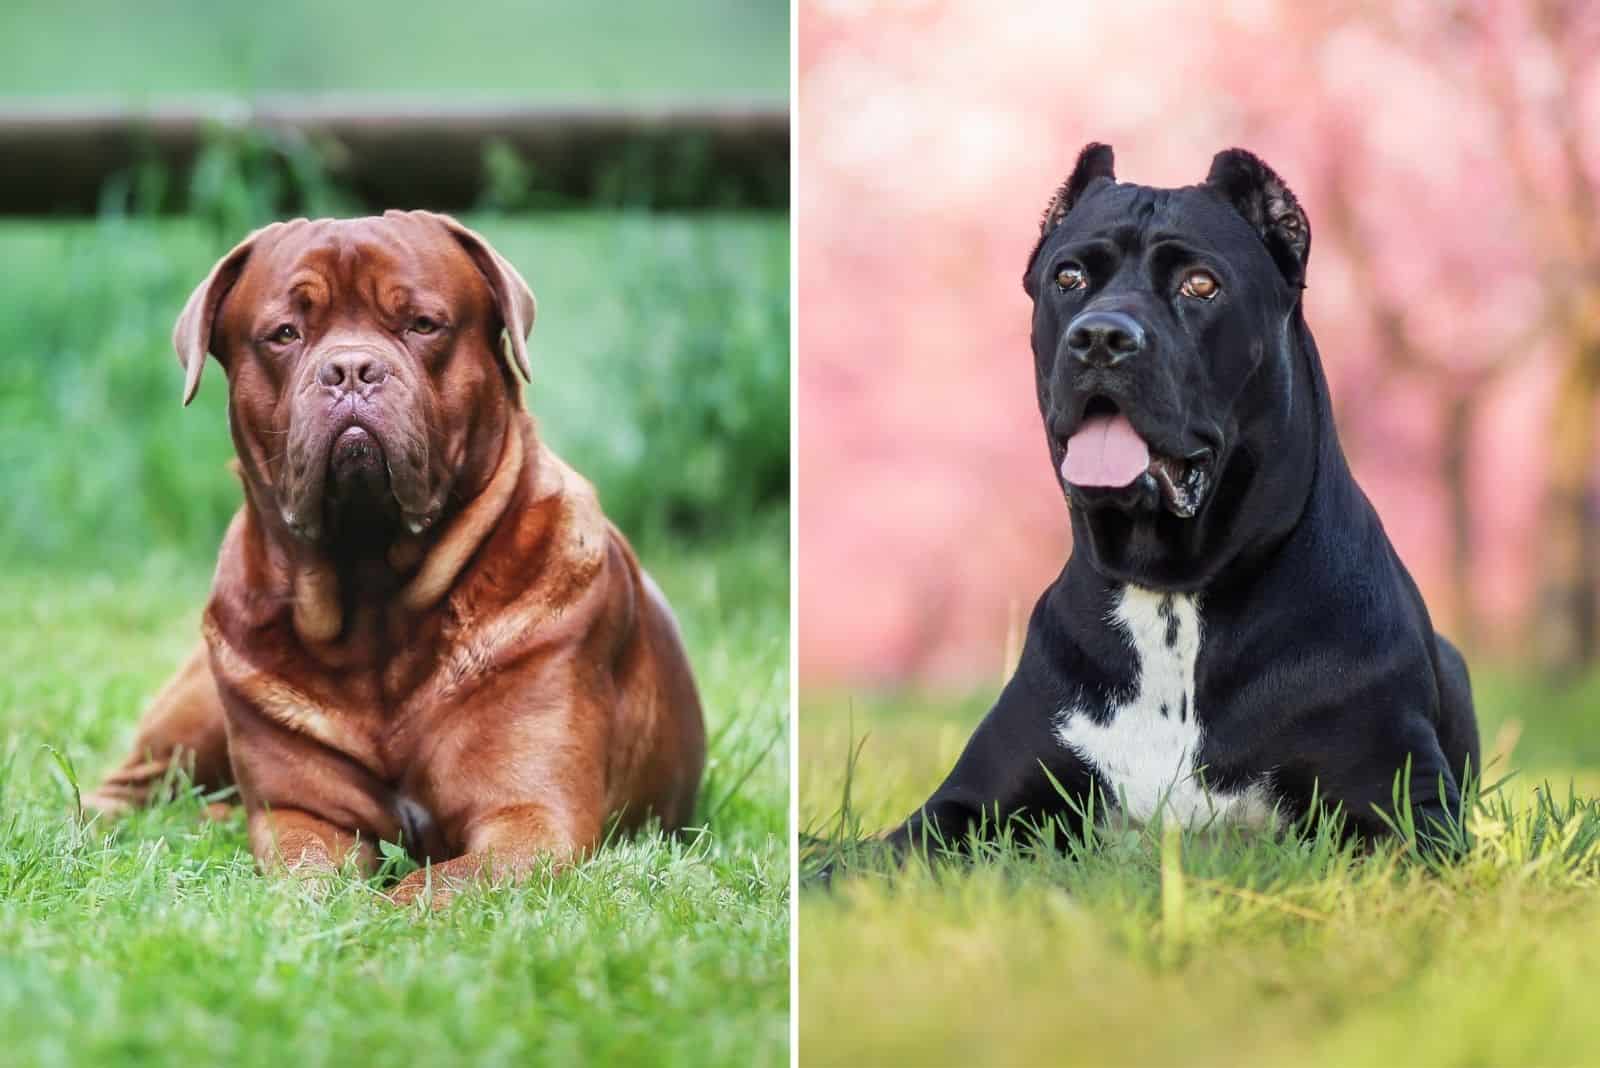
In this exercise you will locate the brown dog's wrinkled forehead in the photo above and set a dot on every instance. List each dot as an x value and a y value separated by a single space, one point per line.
396 247
356 259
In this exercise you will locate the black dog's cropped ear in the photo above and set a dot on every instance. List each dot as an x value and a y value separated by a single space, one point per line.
191 334
1096 161
1265 201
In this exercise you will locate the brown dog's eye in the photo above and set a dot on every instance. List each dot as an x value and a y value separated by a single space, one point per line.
284 335
1200 285
422 324
1071 277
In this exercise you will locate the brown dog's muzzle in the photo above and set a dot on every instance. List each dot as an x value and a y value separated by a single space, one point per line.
359 451
353 370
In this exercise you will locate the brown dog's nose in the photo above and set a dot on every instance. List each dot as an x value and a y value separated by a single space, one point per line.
1104 338
350 370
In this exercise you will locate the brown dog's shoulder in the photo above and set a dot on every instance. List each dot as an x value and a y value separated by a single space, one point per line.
569 506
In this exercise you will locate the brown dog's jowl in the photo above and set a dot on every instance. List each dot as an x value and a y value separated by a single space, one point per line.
422 627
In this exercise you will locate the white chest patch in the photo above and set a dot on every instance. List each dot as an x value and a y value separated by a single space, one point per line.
1146 748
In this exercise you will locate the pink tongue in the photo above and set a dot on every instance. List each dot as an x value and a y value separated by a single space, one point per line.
1106 451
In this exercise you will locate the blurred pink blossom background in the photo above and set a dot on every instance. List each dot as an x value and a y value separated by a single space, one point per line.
1447 157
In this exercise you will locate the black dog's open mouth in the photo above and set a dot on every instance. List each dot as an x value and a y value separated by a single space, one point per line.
1105 461
1182 482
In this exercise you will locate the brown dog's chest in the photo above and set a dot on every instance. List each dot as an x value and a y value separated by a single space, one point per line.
330 744
395 728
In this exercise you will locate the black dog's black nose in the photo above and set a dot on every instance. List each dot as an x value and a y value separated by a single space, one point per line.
1104 338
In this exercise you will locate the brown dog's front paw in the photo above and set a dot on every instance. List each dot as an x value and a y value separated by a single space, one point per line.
106 804
440 882
418 884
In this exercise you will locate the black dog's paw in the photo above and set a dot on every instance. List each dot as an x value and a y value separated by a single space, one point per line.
823 862
1442 844
820 859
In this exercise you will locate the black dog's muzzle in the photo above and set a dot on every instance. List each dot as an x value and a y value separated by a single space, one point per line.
1104 338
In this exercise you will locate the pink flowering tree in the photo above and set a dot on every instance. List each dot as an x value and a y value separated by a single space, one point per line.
1446 158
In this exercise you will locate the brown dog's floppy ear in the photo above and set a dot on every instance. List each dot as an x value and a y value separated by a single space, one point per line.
1267 204
191 335
511 293
1096 161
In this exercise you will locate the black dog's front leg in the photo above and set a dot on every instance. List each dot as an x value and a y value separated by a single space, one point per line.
1005 770
1437 815
1357 768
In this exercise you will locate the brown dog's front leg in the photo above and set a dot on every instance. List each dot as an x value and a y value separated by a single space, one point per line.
293 841
181 728
503 847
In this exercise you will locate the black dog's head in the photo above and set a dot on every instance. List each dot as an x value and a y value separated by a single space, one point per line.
1166 325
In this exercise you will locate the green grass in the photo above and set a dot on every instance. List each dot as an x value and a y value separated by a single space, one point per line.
1219 949
155 940
168 46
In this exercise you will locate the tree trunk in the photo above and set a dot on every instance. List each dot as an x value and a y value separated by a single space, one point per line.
1459 418
1565 628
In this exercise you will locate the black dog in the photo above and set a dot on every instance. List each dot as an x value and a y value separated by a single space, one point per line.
1233 637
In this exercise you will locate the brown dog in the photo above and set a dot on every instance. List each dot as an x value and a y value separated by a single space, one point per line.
422 628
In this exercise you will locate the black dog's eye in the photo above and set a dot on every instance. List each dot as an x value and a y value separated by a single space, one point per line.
1071 276
424 325
1200 285
284 335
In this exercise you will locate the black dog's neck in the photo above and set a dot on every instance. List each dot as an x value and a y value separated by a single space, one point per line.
1263 489
1305 461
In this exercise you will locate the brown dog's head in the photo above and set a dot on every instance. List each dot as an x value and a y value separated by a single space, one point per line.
367 378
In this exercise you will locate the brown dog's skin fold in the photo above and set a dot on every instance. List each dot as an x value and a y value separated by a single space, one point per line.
422 626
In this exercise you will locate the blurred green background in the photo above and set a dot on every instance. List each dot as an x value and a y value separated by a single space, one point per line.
674 327
625 47
661 371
